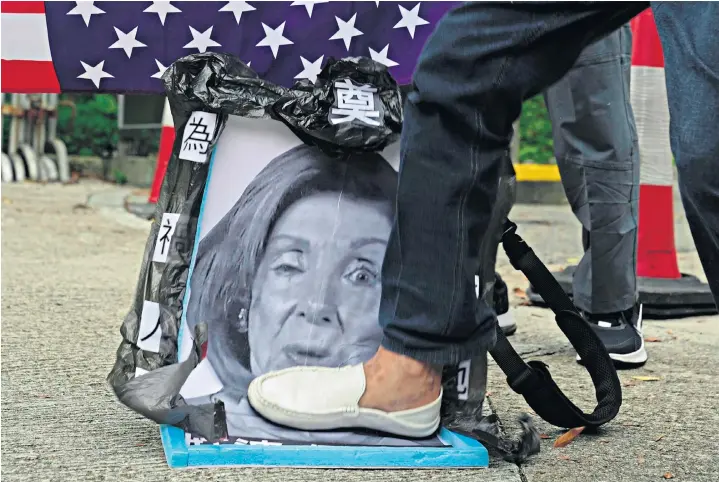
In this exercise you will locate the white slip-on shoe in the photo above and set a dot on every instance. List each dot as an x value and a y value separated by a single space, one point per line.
316 398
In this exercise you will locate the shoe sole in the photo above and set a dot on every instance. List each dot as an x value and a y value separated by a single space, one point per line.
507 323
638 357
395 423
635 358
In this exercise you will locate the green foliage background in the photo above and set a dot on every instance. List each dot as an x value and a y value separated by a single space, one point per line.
95 127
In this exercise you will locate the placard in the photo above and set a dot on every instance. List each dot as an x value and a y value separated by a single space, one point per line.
287 271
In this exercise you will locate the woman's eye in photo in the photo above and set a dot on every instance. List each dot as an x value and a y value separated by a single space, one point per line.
288 264
286 269
362 275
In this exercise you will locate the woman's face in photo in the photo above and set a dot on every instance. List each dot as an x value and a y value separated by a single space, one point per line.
316 294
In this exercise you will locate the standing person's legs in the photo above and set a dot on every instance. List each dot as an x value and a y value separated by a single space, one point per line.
690 39
597 152
481 63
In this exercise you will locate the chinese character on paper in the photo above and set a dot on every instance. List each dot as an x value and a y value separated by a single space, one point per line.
197 136
463 379
164 236
149 334
354 102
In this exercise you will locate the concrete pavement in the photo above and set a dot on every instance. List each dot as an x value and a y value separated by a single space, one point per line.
69 269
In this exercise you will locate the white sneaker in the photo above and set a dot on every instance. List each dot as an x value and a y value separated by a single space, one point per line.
315 398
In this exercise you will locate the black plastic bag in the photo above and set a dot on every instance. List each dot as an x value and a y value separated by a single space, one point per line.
148 381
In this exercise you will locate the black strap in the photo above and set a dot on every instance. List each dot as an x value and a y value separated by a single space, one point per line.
532 380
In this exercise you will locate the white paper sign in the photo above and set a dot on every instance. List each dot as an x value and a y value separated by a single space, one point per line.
354 102
164 236
198 135
463 379
150 333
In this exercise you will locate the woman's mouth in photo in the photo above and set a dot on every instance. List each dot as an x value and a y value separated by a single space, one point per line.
303 354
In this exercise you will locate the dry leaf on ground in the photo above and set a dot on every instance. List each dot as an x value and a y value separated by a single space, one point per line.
659 438
564 457
652 339
640 460
544 436
520 292
567 437
668 475
646 379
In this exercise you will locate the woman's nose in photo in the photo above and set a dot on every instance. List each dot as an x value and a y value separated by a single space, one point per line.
318 309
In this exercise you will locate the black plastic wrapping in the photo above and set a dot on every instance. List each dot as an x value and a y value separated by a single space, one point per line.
223 85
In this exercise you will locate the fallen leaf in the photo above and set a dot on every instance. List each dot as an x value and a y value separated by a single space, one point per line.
572 260
652 339
520 292
43 396
139 445
640 460
659 438
668 475
630 383
564 457
604 441
6 201
670 332
567 437
544 436
488 394
646 379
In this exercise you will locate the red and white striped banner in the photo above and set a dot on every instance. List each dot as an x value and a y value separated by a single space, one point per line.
26 58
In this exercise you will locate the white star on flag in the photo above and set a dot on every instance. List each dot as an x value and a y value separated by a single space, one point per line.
381 56
274 38
308 5
86 10
346 30
238 8
201 41
160 70
162 9
95 74
410 19
311 69
127 41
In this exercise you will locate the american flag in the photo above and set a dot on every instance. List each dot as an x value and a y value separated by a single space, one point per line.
123 46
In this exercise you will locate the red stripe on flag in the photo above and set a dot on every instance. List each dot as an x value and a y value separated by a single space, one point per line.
29 77
22 7
646 46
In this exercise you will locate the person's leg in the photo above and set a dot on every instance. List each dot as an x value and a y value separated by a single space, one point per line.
689 33
480 64
468 90
596 147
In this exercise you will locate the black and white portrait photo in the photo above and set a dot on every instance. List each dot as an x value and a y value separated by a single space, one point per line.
287 270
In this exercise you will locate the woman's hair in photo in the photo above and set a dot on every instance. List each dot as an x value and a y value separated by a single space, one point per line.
229 256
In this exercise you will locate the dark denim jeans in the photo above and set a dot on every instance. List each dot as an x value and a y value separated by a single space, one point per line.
481 63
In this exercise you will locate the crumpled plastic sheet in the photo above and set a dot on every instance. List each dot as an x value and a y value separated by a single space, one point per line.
222 84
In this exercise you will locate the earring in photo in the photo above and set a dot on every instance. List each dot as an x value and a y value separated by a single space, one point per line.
243 320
